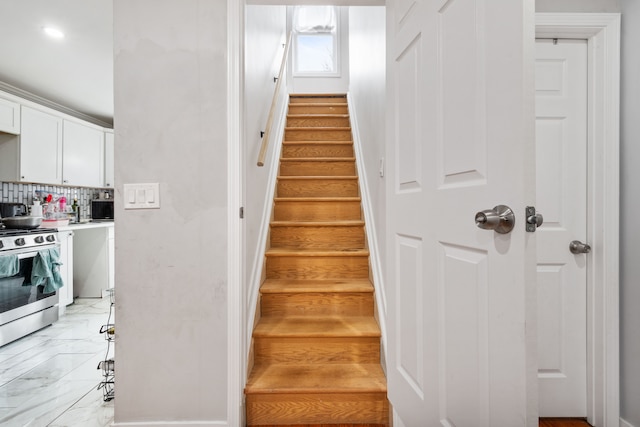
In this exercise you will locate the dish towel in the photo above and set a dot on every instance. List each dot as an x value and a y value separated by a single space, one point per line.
9 265
46 270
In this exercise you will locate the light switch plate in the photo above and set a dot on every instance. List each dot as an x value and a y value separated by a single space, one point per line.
142 196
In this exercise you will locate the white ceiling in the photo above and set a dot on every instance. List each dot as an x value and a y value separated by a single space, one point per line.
77 71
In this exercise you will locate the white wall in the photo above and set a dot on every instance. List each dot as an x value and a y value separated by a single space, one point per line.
586 6
630 205
265 33
367 66
171 263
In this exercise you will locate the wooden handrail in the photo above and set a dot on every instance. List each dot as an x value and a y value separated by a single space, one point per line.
274 102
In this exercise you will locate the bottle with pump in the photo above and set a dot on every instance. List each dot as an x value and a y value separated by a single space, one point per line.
76 209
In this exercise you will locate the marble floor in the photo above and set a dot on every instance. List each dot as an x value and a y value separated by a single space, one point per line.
51 377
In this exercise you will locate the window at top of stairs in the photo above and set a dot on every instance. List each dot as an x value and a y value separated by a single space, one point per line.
315 41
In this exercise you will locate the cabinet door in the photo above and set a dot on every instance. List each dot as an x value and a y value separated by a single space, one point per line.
9 116
40 147
66 269
83 155
108 160
111 252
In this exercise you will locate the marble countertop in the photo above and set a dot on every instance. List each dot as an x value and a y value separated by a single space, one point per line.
84 225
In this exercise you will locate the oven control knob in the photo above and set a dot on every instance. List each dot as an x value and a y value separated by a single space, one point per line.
39 239
51 238
20 242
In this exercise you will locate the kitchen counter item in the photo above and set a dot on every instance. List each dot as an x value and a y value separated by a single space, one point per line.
54 223
8 209
24 222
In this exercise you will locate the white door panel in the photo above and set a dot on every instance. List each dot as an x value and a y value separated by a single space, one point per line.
561 181
460 131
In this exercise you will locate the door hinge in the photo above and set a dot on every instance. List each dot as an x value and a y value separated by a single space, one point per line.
241 212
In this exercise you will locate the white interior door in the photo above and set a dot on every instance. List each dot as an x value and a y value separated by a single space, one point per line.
461 123
561 195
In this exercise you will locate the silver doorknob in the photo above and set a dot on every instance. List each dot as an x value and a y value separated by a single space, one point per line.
500 219
577 247
536 219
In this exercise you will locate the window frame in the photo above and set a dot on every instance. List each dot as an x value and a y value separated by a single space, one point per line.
336 48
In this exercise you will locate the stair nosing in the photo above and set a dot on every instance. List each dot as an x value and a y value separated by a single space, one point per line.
324 177
309 142
337 223
319 199
310 128
317 159
319 115
277 252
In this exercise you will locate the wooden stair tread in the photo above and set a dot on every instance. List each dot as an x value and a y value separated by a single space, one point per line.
317 115
316 378
319 128
303 178
319 104
317 327
276 286
314 142
318 159
342 223
318 95
318 199
278 252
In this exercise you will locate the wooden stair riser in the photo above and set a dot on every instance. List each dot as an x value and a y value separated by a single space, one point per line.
317 134
317 350
314 304
310 99
318 168
321 187
308 210
317 149
318 120
318 109
302 267
329 408
329 237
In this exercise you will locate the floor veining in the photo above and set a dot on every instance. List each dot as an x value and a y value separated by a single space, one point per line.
51 377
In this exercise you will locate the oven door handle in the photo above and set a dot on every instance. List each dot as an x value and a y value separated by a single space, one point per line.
26 255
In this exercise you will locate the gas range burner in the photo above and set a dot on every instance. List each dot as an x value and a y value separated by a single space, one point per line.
6 232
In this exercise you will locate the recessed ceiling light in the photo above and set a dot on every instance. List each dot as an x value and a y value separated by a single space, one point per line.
53 32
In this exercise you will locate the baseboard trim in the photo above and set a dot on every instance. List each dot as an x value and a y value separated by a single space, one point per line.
174 424
376 265
273 162
624 423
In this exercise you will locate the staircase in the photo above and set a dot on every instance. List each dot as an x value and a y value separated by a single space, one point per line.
316 346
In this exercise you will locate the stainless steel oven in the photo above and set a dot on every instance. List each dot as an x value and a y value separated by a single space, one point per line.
24 308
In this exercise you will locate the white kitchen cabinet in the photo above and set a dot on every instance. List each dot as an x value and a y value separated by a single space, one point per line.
93 260
9 116
36 154
111 256
108 159
66 269
82 155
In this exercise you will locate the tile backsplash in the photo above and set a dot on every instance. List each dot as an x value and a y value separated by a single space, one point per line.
24 193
